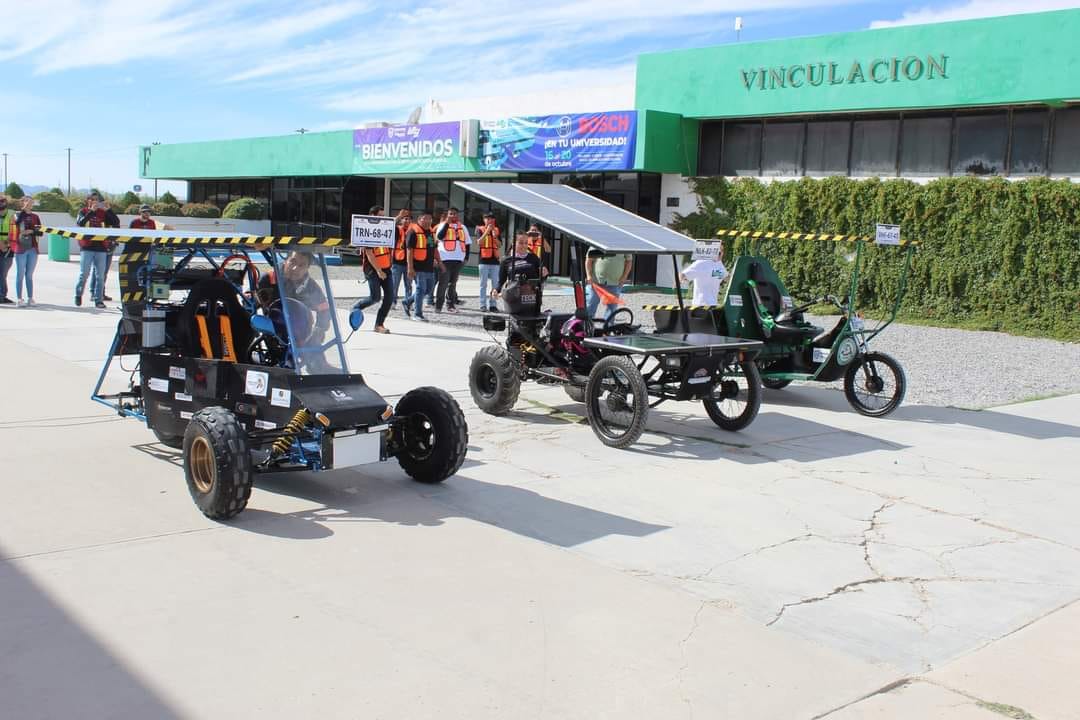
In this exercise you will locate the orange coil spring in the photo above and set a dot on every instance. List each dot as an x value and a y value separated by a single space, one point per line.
292 429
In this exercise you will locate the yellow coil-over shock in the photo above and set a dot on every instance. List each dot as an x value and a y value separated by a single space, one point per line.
292 429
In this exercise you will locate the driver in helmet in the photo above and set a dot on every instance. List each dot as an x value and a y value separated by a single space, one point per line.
299 285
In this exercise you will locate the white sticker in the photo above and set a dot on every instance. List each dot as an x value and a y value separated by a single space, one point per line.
184 415
256 383
264 425
183 397
821 355
177 373
786 301
158 384
734 300
280 397
887 234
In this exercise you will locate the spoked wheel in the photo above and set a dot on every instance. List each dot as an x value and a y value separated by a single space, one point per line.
774 384
433 434
616 401
736 399
875 384
493 380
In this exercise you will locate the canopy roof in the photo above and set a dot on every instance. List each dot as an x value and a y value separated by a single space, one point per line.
178 237
593 221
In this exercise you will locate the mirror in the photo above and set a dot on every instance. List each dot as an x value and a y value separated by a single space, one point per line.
262 324
356 318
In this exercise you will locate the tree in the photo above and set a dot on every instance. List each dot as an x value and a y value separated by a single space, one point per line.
245 208
13 190
129 198
49 201
168 198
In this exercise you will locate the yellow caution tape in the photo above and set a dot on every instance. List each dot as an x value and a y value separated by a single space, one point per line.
763 235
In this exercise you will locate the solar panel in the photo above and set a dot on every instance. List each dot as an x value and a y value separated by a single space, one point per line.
589 219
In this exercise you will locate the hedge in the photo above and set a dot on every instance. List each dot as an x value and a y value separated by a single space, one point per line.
200 210
995 254
245 208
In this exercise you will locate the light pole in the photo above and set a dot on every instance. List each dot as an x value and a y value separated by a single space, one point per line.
5 170
69 172
155 179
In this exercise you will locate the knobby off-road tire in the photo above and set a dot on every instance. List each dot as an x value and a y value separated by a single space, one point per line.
494 380
616 401
176 442
774 384
875 384
576 392
435 435
734 411
217 463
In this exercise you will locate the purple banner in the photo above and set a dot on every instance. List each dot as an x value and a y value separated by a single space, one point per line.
432 147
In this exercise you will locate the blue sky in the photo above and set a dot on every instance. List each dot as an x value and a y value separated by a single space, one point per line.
104 77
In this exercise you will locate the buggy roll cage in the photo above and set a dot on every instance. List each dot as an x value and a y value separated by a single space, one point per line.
139 274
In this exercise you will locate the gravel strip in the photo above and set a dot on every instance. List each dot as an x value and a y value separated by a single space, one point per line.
945 367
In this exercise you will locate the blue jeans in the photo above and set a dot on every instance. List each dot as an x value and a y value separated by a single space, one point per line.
25 262
397 273
489 274
593 300
5 265
92 264
422 285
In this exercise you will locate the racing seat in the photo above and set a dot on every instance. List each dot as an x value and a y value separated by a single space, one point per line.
213 324
773 321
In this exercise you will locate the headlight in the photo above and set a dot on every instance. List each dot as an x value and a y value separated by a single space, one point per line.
672 361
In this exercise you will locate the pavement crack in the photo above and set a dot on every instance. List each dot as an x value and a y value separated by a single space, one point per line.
685 662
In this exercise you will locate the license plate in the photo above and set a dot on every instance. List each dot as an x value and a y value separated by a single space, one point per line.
821 355
357 448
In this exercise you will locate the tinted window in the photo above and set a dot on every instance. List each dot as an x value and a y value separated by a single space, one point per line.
827 147
1029 133
783 149
924 147
742 149
873 147
712 139
1066 153
980 144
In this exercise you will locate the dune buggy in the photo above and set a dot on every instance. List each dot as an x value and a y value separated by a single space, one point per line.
242 367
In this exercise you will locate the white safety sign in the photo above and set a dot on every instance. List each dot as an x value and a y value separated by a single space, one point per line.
372 231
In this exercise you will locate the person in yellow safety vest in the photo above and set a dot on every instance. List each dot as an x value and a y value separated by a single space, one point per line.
399 262
377 272
7 222
454 242
489 240
422 256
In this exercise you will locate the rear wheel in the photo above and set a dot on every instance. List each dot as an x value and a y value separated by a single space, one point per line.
176 442
217 463
434 436
875 384
736 399
493 380
775 384
616 401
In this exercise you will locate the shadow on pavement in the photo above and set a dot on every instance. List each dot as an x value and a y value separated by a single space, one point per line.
51 667
988 420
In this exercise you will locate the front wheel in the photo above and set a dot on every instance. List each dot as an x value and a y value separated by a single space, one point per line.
616 401
494 380
736 399
217 463
434 435
875 384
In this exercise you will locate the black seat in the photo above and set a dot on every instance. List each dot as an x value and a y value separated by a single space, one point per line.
213 323
553 325
767 296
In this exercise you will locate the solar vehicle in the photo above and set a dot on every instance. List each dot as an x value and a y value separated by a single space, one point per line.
240 364
617 370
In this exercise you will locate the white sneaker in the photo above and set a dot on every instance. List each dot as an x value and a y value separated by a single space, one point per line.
20 303
31 302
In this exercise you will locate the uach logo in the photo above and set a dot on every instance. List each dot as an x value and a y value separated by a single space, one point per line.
878 70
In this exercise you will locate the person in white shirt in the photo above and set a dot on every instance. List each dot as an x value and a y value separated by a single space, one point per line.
454 240
707 275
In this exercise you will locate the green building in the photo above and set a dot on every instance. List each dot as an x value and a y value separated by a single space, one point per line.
997 96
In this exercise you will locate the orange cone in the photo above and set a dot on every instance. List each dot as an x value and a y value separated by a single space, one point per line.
607 298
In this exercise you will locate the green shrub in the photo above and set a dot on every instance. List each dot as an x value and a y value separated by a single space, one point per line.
49 201
245 208
132 209
995 254
165 209
127 200
13 191
200 210
168 198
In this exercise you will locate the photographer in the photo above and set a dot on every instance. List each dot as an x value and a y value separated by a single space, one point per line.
24 242
95 255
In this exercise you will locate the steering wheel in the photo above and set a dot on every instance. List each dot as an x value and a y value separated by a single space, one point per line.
249 268
614 327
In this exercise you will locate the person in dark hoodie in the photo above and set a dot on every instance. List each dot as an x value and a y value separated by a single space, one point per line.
95 255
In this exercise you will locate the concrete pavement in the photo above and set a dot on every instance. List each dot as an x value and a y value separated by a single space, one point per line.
817 564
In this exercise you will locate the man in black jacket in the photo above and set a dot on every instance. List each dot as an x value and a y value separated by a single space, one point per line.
95 255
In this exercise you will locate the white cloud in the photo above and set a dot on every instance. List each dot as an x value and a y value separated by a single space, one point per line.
974 9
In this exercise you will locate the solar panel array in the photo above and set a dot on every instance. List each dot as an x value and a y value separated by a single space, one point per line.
589 219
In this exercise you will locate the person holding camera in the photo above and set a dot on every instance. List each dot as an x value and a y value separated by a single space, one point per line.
490 242
95 255
24 243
